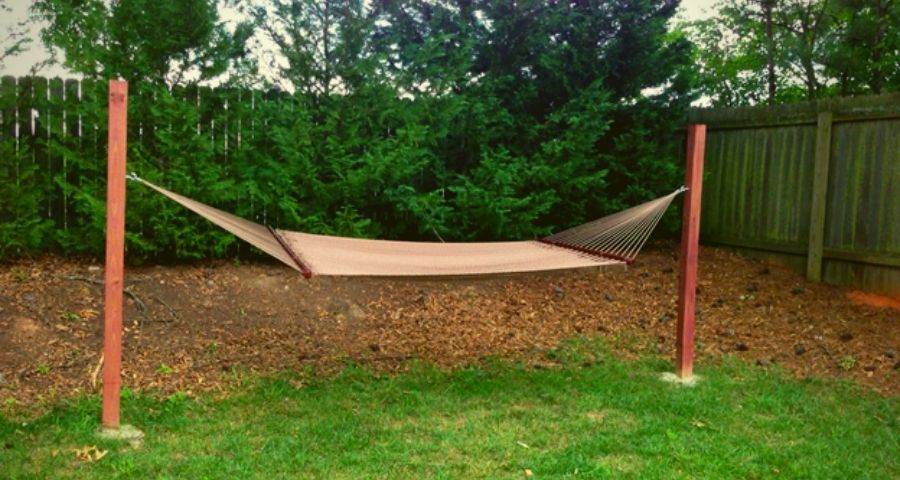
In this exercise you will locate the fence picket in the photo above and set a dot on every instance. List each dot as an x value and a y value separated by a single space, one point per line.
781 186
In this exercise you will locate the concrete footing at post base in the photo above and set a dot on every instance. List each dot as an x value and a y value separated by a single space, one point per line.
670 377
125 433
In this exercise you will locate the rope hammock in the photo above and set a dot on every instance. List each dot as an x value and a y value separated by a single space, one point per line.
612 240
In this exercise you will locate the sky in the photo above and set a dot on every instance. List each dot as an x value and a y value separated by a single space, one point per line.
36 53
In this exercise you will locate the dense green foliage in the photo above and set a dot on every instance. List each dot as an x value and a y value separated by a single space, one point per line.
420 120
609 420
778 51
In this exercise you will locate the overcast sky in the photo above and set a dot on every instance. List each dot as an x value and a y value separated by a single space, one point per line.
36 53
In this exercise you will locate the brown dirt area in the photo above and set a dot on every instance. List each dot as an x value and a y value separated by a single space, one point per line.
188 327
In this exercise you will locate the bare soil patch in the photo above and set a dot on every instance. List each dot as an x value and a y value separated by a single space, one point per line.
189 327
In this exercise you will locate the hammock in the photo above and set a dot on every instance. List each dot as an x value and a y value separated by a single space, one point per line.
612 240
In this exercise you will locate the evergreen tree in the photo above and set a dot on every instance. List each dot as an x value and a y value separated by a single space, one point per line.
160 41
438 120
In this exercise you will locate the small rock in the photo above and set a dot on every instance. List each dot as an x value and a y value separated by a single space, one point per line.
559 292
469 292
93 268
846 337
728 332
609 298
741 347
356 312
210 283
890 354
764 362
796 290
799 349
666 317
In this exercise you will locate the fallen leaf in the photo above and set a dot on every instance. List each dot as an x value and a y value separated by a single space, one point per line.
698 423
89 454
523 444
83 453
528 473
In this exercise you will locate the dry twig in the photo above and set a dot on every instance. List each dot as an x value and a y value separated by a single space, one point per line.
141 306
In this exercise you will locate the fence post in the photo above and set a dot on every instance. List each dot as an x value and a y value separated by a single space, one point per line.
819 193
115 252
690 245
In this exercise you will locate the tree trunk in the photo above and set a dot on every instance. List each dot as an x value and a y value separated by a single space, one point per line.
876 82
326 34
770 49
812 85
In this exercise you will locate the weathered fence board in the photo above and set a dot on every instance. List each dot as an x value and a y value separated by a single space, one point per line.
761 188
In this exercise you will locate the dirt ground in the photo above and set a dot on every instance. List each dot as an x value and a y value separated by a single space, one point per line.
189 327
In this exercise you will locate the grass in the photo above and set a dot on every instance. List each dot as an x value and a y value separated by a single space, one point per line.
611 419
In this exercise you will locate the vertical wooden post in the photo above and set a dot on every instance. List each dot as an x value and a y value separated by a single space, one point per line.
690 245
819 193
115 252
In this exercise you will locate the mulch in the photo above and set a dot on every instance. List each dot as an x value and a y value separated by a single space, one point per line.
189 327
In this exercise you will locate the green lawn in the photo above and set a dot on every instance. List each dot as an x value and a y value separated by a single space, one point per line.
583 420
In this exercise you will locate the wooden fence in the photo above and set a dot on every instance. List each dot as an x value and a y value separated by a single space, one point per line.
816 185
36 112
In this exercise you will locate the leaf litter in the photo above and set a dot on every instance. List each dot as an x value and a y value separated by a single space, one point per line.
208 322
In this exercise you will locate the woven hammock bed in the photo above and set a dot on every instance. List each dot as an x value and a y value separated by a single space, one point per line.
614 240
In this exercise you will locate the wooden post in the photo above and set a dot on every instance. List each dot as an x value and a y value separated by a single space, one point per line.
690 245
819 192
115 252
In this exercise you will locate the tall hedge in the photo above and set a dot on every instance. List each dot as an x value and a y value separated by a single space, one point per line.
469 120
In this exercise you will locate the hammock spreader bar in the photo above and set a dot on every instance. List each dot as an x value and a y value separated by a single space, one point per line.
307 273
609 241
